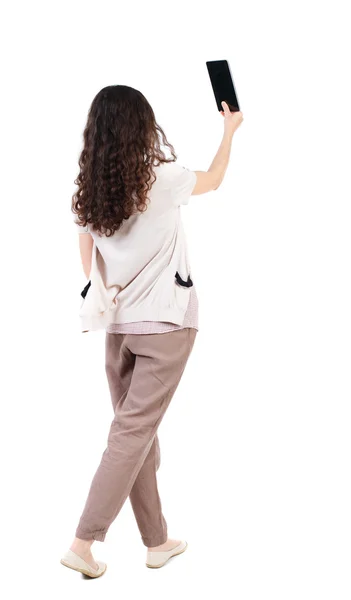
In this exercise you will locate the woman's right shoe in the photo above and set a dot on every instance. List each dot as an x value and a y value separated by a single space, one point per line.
73 561
154 560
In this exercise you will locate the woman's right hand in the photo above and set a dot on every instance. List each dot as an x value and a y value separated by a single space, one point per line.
232 120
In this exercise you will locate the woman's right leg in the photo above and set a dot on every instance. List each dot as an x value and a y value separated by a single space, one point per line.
145 500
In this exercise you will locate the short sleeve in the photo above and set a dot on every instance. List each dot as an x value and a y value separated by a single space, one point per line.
79 228
182 183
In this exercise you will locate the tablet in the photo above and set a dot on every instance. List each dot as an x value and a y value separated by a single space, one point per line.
222 84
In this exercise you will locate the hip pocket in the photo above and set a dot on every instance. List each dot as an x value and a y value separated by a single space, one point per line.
182 282
85 290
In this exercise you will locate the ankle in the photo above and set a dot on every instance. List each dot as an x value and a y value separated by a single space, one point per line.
169 544
83 546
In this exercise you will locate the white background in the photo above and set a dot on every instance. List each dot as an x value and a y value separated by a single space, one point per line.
255 468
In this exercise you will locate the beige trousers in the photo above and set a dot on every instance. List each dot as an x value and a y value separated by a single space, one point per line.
143 372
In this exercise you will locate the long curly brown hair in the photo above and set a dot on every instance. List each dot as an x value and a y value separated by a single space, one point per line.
121 146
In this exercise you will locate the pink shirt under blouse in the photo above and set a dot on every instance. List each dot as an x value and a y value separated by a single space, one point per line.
190 320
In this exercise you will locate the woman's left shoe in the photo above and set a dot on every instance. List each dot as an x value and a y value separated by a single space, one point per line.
154 560
73 561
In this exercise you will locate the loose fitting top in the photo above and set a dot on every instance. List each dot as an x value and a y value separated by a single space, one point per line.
142 272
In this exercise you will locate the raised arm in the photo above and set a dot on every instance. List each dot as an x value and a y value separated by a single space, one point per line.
212 178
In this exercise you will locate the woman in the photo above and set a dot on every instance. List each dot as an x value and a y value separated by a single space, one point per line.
140 290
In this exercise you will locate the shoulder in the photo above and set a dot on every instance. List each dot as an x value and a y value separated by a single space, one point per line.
175 175
174 183
179 180
171 170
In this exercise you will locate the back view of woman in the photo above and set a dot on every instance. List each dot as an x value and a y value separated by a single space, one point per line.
140 290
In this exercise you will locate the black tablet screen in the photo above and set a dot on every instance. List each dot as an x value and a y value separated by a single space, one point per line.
222 84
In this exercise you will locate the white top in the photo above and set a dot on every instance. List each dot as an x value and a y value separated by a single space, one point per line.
191 319
133 271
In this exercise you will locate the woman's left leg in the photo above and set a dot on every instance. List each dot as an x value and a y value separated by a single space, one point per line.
144 496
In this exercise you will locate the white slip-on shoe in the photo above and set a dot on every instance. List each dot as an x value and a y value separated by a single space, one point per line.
73 561
155 560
